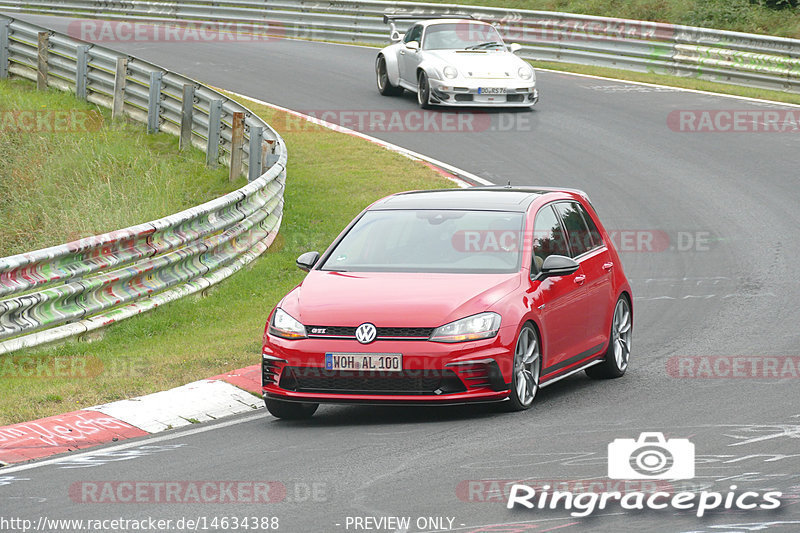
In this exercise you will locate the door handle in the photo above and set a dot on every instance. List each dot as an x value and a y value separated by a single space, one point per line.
580 279
402 53
608 266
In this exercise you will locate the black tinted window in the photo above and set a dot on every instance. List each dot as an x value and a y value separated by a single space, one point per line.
597 240
414 34
548 237
580 240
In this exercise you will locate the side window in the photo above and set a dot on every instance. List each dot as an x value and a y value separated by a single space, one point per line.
597 240
548 237
580 240
414 34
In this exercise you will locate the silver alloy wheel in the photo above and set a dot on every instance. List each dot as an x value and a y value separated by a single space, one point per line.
621 333
423 90
527 365
383 76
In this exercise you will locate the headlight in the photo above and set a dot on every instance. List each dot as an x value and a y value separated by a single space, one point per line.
525 73
472 328
283 325
450 72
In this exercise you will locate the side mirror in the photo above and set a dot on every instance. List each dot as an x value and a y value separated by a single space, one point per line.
557 265
514 47
307 261
412 45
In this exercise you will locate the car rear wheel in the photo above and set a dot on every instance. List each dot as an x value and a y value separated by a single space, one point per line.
423 91
618 354
527 370
385 87
290 410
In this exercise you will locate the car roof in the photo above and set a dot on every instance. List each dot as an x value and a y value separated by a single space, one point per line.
497 198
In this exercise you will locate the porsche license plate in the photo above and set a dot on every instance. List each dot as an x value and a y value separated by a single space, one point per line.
379 362
491 90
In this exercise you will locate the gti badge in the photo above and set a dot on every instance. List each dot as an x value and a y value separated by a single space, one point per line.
365 333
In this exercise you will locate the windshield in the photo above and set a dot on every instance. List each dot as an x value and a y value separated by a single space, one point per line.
462 36
430 241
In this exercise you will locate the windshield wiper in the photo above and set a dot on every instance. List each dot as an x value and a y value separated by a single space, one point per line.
483 45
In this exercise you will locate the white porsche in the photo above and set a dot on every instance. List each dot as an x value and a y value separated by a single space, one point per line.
454 62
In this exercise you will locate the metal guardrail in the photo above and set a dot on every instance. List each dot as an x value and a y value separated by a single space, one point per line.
751 60
73 288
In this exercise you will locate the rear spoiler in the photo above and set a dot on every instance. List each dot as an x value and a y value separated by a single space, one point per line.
394 35
389 18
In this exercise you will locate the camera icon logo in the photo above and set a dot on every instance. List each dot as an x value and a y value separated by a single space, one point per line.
651 457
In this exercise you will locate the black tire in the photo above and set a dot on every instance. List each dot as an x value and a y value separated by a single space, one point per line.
618 353
290 410
423 91
527 370
385 87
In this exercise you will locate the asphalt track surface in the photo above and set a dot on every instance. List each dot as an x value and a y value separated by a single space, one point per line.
735 295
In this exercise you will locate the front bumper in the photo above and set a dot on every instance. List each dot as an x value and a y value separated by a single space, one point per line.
433 373
469 93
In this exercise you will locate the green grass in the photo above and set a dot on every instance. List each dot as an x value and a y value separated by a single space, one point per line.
331 177
61 185
753 16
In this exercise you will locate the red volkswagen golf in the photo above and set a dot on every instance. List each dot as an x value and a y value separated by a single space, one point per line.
451 296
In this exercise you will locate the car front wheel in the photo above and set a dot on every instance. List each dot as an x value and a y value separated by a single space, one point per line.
423 91
527 370
615 363
290 410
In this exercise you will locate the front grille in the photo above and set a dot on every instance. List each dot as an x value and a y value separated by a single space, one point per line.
514 98
382 333
408 382
463 98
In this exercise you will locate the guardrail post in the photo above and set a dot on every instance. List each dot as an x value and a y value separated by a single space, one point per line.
154 102
43 51
82 71
256 140
237 142
4 31
187 116
120 75
214 126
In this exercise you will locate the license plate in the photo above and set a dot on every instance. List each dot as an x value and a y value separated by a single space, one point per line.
492 90
379 362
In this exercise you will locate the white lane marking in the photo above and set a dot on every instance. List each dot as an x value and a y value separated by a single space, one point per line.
8 480
133 444
385 144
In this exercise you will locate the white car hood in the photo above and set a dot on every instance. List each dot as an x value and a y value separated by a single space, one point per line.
481 64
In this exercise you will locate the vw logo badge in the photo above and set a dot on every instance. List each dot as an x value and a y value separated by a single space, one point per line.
365 333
